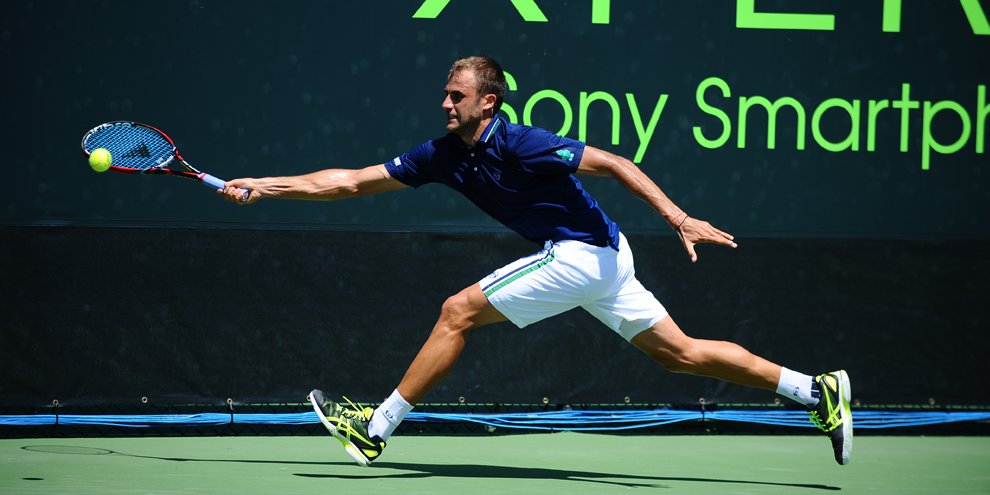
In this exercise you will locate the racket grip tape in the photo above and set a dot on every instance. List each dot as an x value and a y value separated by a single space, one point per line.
212 181
216 183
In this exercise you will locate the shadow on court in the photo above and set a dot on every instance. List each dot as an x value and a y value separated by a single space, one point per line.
420 470
77 450
522 473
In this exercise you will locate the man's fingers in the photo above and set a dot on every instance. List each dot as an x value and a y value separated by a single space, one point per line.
727 239
710 234
724 234
690 249
724 239
694 231
234 193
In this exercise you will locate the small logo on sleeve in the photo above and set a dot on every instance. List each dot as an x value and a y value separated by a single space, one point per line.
565 155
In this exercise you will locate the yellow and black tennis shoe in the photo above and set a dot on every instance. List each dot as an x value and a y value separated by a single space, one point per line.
833 415
349 426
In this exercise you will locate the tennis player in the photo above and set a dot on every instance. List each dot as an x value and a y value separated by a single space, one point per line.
524 177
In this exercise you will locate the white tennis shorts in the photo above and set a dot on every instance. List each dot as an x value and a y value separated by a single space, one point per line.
568 274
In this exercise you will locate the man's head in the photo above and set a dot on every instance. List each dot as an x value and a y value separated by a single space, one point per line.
474 93
487 73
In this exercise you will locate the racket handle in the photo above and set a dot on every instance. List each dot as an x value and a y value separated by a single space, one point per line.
216 183
212 181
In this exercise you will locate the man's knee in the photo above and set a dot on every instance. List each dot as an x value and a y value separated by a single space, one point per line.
466 310
455 313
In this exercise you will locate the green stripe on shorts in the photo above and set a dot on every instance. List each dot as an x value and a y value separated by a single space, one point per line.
522 273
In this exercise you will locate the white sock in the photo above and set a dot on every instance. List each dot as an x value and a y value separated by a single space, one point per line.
388 416
797 387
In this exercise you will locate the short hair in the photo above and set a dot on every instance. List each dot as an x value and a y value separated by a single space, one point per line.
488 73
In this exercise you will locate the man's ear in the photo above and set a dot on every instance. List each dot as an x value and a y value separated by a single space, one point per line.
490 100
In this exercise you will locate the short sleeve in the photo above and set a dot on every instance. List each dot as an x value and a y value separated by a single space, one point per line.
544 152
413 167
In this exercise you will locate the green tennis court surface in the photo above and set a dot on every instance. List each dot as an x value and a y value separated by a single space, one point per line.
569 463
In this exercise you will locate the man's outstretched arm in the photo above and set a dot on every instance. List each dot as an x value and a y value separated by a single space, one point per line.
326 185
690 230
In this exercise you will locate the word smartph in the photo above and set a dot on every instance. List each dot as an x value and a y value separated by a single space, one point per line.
856 112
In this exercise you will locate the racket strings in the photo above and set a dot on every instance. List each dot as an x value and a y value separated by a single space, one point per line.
132 147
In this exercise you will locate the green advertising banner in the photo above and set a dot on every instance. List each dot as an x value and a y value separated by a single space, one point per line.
801 118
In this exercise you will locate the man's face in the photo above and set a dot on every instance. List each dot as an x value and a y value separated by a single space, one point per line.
463 105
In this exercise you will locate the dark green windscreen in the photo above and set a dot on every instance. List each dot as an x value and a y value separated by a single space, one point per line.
770 118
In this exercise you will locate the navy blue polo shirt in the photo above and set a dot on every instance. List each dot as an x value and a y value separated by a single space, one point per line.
522 176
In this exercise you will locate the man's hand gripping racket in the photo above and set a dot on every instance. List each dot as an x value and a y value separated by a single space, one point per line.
141 149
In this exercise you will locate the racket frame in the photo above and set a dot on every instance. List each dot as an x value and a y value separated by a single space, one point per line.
162 168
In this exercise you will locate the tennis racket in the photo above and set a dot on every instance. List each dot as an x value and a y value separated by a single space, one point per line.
141 149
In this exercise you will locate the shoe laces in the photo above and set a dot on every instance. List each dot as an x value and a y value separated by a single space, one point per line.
833 420
356 411
817 421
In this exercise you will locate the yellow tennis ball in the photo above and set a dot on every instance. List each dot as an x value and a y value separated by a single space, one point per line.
100 159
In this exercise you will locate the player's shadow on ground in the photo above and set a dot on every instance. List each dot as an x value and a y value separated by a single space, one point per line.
475 471
420 470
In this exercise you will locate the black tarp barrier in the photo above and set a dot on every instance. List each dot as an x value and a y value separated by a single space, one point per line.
107 316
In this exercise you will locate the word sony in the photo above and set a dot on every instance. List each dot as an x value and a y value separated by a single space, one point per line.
644 132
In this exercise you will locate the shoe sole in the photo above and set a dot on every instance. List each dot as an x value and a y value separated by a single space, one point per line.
845 412
349 447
